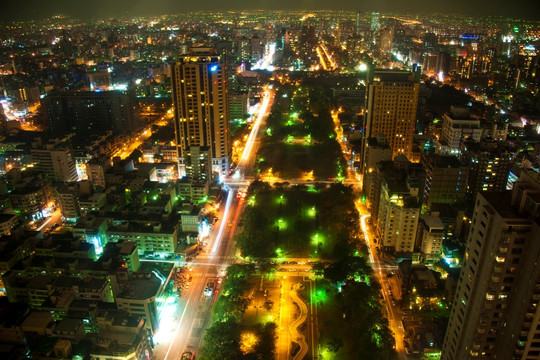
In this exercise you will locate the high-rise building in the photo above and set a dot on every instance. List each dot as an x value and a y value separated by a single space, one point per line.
238 105
377 151
446 179
200 96
489 166
55 162
458 126
197 162
386 40
375 22
391 101
399 210
358 22
398 185
495 313
89 112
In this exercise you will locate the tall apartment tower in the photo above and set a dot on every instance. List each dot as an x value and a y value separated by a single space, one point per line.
90 112
495 314
200 95
391 102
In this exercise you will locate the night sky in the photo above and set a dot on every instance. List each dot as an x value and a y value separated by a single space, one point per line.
31 9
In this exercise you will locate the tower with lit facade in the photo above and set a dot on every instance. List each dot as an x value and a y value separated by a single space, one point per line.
391 102
495 313
201 109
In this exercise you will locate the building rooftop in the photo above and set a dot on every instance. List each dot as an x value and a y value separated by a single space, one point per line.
141 286
68 325
433 222
37 319
500 201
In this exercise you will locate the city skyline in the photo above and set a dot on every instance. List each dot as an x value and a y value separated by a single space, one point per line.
33 9
270 185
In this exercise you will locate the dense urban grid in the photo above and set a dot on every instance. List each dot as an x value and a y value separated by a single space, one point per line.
270 185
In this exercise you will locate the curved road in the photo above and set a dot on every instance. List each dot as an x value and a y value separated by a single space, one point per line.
298 337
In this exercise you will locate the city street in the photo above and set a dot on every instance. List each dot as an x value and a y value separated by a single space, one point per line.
193 312
393 314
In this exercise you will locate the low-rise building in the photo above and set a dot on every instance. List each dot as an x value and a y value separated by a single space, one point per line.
93 202
137 294
150 236
7 222
121 336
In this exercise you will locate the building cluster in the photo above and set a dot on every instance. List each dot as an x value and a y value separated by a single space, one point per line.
62 301
427 192
116 134
408 177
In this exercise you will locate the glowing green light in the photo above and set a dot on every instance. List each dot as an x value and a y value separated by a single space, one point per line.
319 296
317 239
281 224
251 201
312 212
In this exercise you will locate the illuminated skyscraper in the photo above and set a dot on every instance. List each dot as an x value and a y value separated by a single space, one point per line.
495 314
200 96
391 102
358 20
375 22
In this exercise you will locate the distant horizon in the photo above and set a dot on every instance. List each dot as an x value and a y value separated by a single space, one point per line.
101 9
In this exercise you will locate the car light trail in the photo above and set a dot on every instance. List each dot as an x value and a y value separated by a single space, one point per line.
255 130
366 235
230 197
177 328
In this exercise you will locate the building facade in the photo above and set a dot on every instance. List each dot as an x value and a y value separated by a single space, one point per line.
446 179
391 103
458 126
200 96
495 314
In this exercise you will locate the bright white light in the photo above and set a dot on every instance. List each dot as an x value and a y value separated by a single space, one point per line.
362 67
230 197
138 81
266 61
122 87
366 235
441 76
173 336
251 138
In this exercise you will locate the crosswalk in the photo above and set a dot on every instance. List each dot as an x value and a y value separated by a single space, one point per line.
207 257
